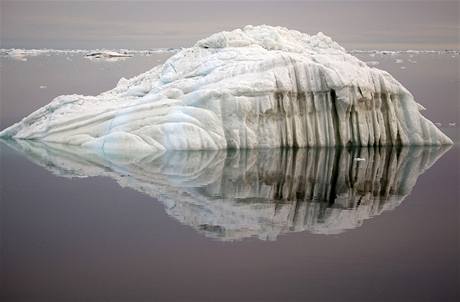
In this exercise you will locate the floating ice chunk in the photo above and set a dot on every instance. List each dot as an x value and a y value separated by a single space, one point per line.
452 124
372 63
255 87
149 52
399 61
359 159
438 124
410 52
107 55
43 86
403 67
19 53
24 54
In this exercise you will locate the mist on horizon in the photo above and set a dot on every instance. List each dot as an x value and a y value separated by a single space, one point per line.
141 25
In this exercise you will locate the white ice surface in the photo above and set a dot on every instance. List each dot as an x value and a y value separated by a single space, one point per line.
254 87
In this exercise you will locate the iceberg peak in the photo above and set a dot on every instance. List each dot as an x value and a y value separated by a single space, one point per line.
271 38
256 87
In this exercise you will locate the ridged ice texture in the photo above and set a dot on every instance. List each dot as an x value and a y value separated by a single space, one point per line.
231 195
254 87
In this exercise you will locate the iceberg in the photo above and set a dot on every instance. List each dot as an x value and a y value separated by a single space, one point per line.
256 87
235 194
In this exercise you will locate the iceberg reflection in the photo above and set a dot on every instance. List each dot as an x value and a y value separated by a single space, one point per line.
235 194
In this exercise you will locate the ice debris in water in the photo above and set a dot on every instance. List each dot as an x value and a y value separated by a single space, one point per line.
372 63
22 54
410 52
107 55
260 86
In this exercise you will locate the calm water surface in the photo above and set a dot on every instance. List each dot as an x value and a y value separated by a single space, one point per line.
277 225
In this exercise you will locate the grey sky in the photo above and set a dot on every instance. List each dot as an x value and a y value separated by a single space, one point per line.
140 25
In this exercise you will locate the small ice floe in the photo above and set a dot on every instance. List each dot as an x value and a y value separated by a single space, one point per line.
452 124
372 63
412 61
21 54
108 55
43 86
359 159
410 52
399 61
403 67
149 52
438 124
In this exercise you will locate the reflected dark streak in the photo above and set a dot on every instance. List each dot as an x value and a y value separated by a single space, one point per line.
231 195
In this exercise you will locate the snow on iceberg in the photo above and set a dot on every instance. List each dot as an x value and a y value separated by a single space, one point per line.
235 194
259 86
